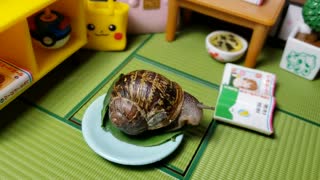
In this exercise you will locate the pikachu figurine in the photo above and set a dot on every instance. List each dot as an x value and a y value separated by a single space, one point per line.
106 25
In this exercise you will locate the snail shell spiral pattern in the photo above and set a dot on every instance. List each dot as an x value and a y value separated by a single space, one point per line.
144 100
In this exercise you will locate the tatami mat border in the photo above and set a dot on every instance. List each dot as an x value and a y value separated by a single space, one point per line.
171 172
202 148
299 117
50 113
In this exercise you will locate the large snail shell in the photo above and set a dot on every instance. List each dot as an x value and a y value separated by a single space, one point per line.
143 100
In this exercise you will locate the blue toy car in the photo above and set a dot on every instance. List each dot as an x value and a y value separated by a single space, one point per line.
51 28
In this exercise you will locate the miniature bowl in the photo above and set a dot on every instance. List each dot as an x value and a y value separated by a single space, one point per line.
225 46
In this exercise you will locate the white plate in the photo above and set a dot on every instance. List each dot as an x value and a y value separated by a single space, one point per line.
112 149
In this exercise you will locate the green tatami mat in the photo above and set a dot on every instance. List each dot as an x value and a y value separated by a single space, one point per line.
66 86
183 156
40 136
188 54
233 153
34 145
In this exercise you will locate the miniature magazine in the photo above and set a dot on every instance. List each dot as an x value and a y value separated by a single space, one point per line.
12 80
246 98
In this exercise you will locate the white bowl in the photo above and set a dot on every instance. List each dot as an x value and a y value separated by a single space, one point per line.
220 54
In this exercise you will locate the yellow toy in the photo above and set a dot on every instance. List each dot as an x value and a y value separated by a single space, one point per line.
106 25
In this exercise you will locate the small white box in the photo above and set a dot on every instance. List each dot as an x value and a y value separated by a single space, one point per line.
300 58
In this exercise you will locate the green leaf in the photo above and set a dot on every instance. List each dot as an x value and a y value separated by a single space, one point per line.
149 138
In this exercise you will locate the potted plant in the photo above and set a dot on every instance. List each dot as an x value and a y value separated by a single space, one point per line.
311 14
301 55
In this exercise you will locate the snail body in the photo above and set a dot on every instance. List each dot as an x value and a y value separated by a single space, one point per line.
144 100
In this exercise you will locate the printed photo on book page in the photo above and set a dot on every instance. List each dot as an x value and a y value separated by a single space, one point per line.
249 80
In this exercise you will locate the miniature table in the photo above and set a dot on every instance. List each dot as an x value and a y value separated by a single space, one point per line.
258 18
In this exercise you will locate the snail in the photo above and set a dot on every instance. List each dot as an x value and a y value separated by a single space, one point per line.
143 100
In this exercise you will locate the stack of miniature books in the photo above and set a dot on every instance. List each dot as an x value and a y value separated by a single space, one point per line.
246 98
12 80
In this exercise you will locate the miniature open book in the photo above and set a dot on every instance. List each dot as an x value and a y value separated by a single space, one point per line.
246 98
12 80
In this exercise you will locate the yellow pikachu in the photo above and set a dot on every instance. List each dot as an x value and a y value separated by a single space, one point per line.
106 25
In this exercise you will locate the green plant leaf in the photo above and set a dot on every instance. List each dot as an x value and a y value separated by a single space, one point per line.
149 138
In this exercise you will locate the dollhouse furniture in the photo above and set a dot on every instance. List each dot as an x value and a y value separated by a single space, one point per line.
258 18
16 42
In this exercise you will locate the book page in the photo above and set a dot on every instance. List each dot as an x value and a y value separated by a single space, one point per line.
242 109
249 80
246 98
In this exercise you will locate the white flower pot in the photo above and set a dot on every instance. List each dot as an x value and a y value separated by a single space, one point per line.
300 58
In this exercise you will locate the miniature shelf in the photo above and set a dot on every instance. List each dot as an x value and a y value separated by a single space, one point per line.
17 46
17 10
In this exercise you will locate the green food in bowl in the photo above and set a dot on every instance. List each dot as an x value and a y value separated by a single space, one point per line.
226 42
